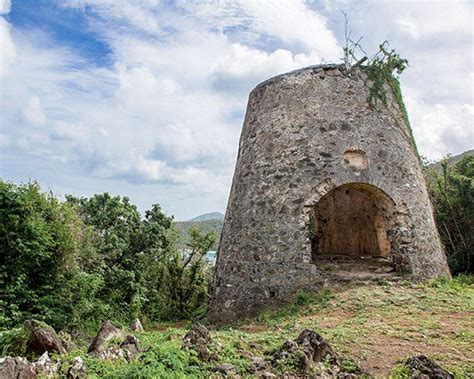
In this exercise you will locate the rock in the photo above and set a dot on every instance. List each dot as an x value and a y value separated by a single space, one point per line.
106 332
130 346
316 347
308 348
226 369
422 367
111 354
19 367
77 369
44 367
16 368
137 326
199 339
42 338
197 332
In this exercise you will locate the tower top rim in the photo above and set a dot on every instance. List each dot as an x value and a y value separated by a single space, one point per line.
277 78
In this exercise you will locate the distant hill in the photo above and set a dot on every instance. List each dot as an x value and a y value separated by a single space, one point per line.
436 166
206 222
208 216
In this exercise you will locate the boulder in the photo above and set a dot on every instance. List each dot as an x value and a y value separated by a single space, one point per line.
45 368
77 370
307 349
16 368
111 354
21 368
127 349
196 333
106 333
421 367
316 348
199 339
130 346
137 326
42 337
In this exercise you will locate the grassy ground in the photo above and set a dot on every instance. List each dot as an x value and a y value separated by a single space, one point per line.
375 326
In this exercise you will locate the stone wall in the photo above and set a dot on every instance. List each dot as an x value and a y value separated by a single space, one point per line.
306 133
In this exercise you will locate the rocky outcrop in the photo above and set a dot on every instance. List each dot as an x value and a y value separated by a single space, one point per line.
137 326
126 349
315 347
21 368
42 337
106 333
16 368
308 348
199 339
130 346
421 367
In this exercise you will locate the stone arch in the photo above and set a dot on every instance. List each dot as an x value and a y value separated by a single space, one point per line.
355 220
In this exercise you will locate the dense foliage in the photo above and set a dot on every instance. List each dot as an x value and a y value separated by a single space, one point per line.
74 263
452 190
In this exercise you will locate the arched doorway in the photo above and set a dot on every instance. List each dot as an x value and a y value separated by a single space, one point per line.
353 223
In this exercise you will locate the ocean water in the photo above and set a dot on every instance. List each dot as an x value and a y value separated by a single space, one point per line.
211 256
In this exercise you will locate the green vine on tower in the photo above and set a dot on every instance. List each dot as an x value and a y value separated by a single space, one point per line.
380 70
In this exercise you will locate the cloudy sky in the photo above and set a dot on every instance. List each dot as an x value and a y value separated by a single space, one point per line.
146 98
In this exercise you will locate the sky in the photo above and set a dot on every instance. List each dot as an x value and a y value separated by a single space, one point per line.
146 99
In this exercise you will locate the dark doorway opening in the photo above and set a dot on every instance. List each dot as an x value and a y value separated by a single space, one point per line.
351 228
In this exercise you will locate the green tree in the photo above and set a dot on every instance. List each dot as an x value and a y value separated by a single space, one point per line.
452 191
44 246
187 276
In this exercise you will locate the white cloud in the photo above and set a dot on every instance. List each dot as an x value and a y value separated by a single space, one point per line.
293 22
441 129
408 25
8 49
33 111
5 6
162 120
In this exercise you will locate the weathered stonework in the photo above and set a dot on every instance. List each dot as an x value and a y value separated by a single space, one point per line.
313 155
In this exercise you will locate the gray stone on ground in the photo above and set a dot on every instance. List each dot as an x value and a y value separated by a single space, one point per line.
199 339
21 368
308 348
16 368
130 346
137 326
127 349
106 333
316 347
421 367
44 367
42 337
111 354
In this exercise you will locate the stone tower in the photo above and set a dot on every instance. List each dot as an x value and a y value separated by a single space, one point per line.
327 188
